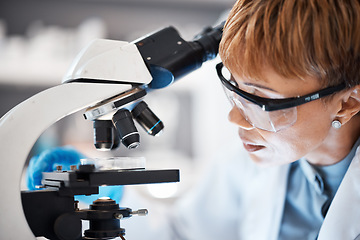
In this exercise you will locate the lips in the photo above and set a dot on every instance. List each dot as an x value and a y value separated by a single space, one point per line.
249 145
253 147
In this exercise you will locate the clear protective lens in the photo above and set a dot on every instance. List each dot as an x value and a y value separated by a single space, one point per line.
272 121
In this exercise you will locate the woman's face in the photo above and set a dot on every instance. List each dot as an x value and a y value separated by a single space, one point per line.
308 136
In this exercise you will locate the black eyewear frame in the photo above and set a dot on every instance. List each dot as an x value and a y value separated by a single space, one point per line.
268 104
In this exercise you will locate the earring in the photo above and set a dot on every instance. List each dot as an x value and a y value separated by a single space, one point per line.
336 124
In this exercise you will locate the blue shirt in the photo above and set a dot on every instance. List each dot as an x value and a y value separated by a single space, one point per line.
310 190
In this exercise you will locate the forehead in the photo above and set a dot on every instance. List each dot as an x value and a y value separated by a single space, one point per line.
269 80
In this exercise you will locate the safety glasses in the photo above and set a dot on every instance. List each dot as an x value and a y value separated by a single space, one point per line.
265 113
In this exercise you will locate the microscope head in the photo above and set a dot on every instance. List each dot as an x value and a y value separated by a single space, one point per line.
116 62
149 63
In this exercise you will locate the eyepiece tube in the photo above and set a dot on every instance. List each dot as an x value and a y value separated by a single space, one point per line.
125 126
147 119
170 57
209 39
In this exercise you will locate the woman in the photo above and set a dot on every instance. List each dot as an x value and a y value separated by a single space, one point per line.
291 69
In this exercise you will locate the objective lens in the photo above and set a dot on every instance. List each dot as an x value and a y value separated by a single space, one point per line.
125 126
103 134
147 119
116 143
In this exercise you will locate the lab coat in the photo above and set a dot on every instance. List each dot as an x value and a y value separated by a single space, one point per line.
238 200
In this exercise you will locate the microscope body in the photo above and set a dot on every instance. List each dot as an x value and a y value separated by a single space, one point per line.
23 125
103 73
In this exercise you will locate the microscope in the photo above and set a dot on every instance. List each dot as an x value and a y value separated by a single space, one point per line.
108 81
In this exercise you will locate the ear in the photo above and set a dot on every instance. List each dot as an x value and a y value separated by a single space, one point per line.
350 105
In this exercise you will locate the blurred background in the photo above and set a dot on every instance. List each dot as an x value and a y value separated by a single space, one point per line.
40 38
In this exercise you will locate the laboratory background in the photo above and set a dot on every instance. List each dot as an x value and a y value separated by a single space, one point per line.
40 38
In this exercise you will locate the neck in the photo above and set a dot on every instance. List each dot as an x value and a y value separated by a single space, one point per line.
337 144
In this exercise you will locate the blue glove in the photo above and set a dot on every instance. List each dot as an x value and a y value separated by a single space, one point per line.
47 162
64 156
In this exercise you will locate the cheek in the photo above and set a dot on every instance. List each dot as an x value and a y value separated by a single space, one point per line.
308 133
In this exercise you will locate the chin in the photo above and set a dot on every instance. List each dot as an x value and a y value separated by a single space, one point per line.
262 162
268 161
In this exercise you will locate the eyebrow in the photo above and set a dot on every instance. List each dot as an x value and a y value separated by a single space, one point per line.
255 85
260 86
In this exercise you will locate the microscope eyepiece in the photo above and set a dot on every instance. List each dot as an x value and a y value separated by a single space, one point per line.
147 119
125 126
209 40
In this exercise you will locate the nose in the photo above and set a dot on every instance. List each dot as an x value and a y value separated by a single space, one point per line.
237 117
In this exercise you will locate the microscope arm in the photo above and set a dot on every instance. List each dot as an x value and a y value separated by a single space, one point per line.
19 130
